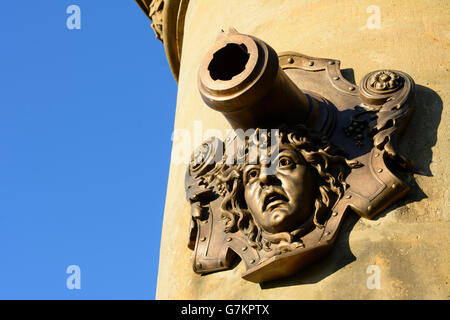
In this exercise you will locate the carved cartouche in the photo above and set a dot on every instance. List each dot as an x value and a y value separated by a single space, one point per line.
308 148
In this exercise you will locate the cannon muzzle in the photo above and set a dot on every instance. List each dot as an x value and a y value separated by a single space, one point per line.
240 76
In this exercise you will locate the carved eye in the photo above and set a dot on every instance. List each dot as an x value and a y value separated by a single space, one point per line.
252 174
285 162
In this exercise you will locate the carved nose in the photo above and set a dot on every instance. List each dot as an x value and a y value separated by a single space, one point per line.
267 176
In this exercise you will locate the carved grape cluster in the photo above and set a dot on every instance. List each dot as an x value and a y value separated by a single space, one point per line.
356 131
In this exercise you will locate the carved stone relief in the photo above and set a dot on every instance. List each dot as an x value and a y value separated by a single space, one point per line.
308 148
154 9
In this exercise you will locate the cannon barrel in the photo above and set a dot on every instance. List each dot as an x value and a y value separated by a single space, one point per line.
240 76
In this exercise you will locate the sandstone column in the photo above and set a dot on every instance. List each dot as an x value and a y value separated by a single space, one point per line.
409 242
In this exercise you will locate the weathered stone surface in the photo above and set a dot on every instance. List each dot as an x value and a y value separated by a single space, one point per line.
408 242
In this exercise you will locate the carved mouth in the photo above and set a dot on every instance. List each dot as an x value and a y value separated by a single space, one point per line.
272 198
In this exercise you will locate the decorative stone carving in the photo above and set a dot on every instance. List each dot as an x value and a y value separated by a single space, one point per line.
167 18
156 15
315 148
154 10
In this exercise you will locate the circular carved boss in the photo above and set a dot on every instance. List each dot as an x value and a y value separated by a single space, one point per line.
205 157
377 86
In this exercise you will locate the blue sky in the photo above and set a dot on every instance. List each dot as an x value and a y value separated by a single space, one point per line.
86 118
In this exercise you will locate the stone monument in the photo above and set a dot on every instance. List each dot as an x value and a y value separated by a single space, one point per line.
311 150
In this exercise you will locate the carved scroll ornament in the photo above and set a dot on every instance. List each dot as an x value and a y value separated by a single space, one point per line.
318 147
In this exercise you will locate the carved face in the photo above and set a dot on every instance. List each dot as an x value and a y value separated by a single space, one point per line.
282 199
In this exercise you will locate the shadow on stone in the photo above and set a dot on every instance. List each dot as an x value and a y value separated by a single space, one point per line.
349 75
421 134
417 142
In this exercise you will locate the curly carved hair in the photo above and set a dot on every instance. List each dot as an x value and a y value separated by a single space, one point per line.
329 164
